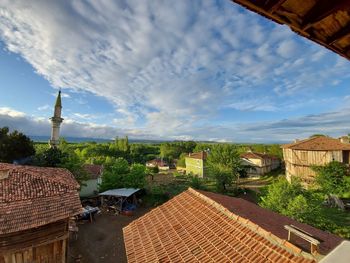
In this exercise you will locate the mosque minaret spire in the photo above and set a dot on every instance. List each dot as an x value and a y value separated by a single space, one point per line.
56 121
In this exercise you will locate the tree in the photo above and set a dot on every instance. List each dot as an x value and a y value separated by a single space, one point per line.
113 175
280 193
333 178
14 145
301 209
51 157
224 165
292 200
137 176
70 160
182 160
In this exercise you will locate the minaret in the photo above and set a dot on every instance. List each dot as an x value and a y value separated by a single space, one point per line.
56 121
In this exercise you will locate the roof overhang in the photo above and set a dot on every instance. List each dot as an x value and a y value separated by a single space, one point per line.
121 192
325 22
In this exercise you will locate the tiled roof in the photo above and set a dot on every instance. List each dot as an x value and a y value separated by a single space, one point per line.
94 170
319 143
191 227
34 196
255 155
199 155
274 222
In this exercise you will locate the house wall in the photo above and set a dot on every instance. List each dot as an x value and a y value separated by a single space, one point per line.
47 243
195 166
90 188
261 166
299 163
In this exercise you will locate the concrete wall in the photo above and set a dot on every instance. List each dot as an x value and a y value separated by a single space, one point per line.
195 166
90 187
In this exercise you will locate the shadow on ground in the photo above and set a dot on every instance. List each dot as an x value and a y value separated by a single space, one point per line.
102 240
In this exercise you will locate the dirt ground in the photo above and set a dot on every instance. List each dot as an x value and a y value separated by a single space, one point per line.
102 240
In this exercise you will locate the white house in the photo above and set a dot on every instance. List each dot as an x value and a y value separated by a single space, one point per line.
90 187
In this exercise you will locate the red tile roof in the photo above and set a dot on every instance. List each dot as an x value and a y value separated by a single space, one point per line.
94 170
192 227
274 222
199 155
319 143
255 155
34 196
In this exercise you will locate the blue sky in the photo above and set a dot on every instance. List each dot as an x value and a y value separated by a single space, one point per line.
202 70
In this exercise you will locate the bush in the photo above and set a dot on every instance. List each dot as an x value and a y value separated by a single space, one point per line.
333 178
155 196
280 193
196 182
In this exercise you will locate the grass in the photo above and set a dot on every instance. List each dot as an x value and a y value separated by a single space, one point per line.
336 221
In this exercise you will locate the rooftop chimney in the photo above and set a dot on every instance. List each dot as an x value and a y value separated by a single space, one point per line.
296 140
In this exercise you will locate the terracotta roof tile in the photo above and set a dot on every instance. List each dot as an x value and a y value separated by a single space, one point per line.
94 170
199 155
319 143
271 223
34 196
255 155
192 228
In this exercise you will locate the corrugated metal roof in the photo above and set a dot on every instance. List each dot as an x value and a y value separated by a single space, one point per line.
125 192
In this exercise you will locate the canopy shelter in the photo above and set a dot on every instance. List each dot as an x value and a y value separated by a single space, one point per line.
121 194
326 22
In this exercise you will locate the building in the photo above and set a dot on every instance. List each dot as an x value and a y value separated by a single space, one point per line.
36 204
160 163
259 163
56 121
90 186
199 226
196 164
300 156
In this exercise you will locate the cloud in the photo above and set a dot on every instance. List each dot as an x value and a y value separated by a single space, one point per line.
283 131
39 126
11 112
44 107
168 66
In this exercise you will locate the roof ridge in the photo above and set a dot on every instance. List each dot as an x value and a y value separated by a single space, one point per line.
28 170
256 228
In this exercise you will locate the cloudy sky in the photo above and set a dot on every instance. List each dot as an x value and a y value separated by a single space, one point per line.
203 70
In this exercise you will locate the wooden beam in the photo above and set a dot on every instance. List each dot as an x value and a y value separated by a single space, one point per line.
273 5
339 35
321 10
303 234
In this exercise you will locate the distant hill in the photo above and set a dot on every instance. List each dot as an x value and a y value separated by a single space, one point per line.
98 140
68 139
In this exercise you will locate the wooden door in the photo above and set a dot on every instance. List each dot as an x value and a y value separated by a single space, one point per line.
346 157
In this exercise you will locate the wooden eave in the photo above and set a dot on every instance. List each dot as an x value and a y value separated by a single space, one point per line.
326 22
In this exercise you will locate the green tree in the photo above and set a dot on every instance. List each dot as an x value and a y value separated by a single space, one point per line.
333 178
51 157
301 209
14 145
71 161
224 165
137 176
181 162
280 193
113 175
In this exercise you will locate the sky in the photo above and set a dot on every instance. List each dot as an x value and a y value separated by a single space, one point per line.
168 70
